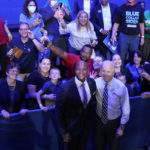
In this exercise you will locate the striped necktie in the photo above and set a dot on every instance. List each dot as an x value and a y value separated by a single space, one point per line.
104 118
85 99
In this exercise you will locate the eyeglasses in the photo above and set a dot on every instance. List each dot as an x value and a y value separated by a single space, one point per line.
21 29
14 71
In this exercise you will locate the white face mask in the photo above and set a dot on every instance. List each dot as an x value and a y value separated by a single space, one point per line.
31 9
53 3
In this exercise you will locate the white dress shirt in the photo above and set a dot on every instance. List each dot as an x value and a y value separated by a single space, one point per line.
78 39
118 99
106 17
87 89
86 6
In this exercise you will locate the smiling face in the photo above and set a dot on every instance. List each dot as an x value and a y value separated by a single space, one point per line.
136 59
104 2
23 30
107 71
45 65
54 74
12 73
81 70
116 59
97 62
83 19
86 53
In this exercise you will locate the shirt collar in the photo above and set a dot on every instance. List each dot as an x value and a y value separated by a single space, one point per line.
108 83
129 4
79 83
105 6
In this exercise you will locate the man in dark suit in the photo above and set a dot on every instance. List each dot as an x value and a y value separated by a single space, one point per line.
74 108
86 5
102 16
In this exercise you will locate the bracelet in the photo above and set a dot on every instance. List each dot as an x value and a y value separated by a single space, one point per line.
9 34
45 96
142 36
122 126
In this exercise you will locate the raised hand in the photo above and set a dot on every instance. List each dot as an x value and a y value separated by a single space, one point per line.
5 114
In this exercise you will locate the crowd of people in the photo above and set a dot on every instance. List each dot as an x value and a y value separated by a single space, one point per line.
59 59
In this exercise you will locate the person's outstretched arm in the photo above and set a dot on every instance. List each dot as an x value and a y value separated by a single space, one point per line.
58 51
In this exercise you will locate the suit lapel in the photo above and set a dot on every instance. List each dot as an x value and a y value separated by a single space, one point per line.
111 11
92 89
75 91
100 15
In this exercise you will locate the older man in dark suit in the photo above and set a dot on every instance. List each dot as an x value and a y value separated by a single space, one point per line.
102 17
74 107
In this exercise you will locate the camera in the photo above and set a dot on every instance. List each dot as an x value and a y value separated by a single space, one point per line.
45 43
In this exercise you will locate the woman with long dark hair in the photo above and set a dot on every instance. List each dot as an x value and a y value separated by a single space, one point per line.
36 80
135 67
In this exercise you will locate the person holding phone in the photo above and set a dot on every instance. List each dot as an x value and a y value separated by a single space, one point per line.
51 15
81 32
31 16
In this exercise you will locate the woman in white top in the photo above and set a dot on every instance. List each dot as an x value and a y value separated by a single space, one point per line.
81 32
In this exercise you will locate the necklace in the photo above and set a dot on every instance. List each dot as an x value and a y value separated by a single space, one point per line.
82 30
12 88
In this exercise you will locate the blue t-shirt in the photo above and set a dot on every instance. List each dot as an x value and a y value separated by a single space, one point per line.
50 87
30 20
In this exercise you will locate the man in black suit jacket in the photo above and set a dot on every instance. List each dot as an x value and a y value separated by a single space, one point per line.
102 17
73 116
79 5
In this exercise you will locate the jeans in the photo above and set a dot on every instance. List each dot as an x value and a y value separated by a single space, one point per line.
127 42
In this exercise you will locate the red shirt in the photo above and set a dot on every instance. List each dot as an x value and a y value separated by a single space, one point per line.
3 37
72 59
129 4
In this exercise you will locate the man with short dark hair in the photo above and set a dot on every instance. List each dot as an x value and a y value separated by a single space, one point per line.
74 108
69 59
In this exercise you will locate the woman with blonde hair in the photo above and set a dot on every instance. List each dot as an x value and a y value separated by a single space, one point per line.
81 32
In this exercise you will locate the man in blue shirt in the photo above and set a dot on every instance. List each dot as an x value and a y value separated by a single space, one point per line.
28 48
112 109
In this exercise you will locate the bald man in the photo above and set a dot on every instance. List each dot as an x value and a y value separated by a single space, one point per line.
74 108
112 110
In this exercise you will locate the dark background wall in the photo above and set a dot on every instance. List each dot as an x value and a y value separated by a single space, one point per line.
10 9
